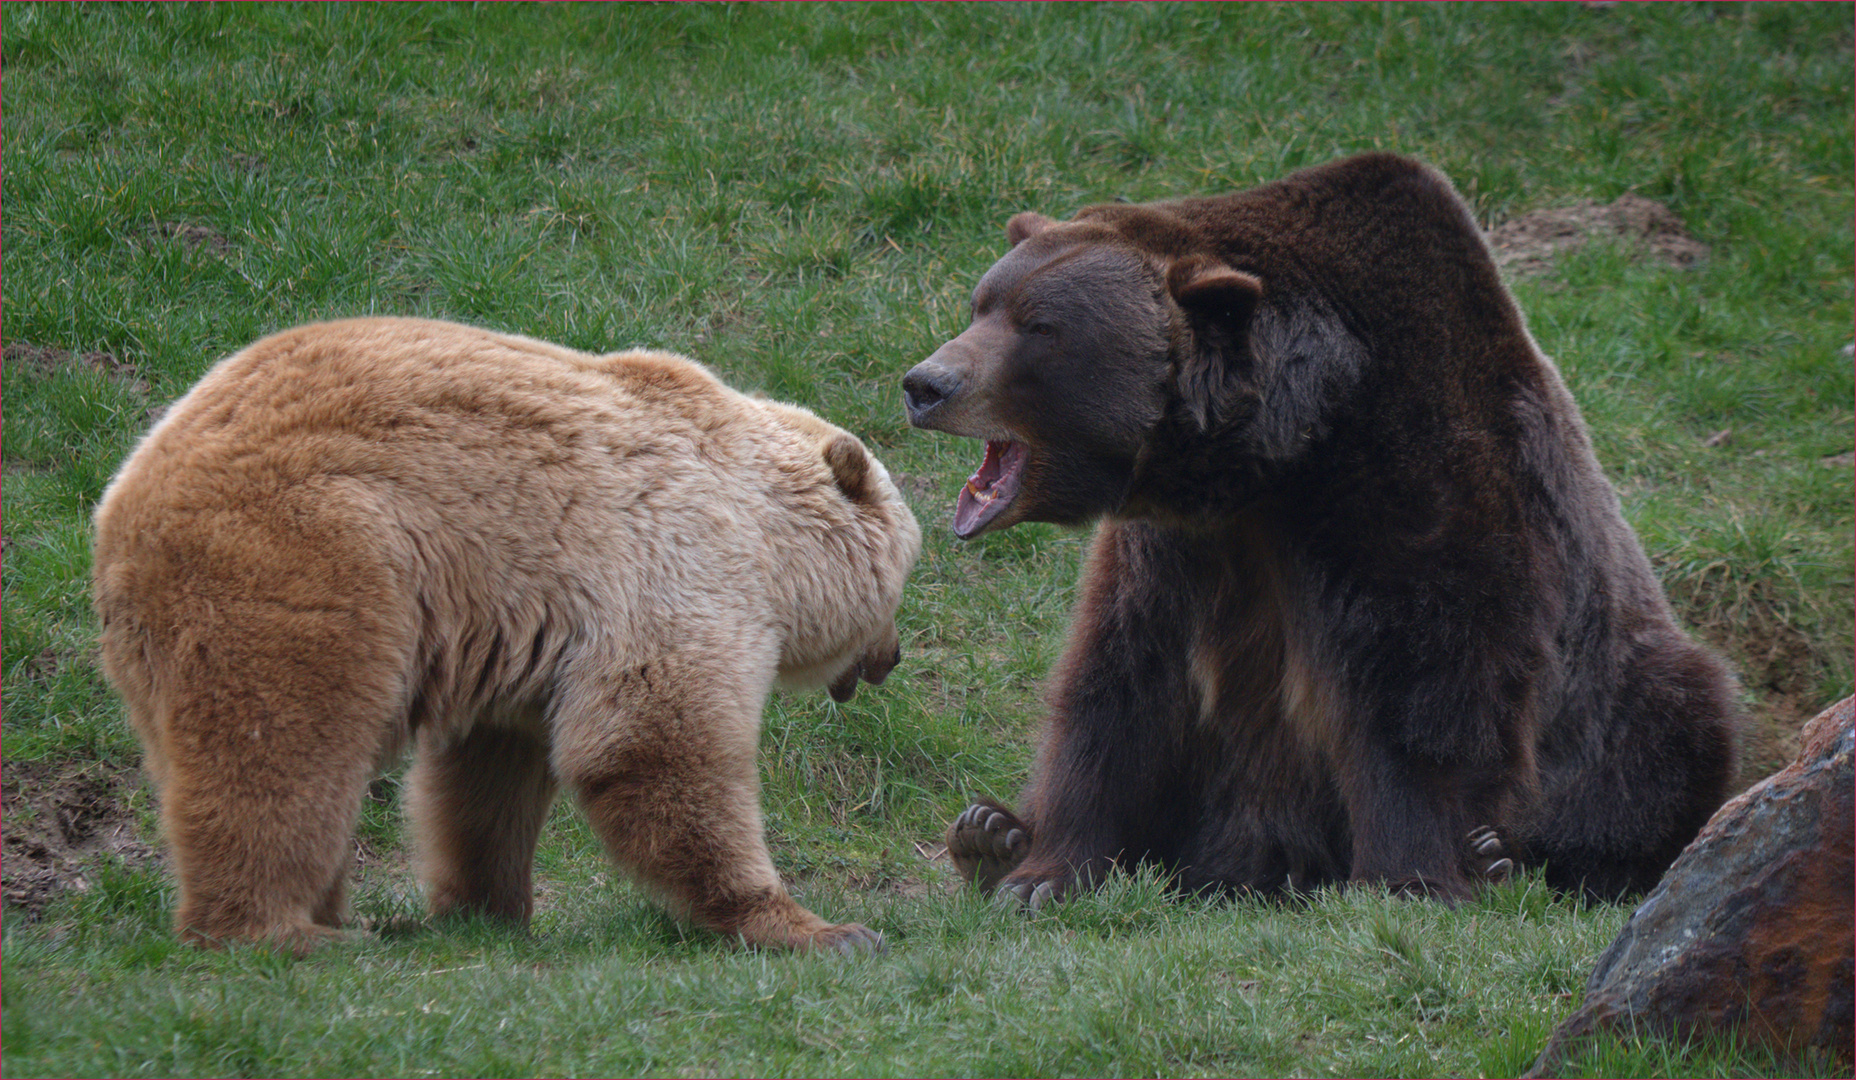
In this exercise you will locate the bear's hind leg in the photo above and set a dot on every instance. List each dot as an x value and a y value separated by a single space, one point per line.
1486 856
260 850
661 756
477 805
332 909
274 720
1615 818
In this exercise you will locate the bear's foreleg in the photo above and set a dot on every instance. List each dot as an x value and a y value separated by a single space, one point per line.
1113 782
1618 810
1437 747
477 804
987 842
662 758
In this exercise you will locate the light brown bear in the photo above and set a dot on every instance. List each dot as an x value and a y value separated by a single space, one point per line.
536 565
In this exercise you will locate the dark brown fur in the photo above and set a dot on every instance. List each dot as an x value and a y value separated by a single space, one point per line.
1359 586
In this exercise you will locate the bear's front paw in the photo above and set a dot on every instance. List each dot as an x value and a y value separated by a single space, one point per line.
986 842
849 939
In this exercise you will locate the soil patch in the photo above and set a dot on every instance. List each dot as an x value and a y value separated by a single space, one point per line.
191 237
933 874
1531 243
1776 660
50 358
1776 666
60 817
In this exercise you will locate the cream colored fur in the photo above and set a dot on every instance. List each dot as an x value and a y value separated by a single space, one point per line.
534 565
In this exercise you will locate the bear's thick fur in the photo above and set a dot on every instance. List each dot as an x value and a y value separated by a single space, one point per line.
1361 605
535 565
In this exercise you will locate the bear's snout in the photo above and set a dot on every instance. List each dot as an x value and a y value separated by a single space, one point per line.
925 387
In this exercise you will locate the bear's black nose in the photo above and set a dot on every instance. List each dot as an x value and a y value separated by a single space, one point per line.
923 389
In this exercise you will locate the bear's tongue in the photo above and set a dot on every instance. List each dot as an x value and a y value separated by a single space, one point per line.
991 488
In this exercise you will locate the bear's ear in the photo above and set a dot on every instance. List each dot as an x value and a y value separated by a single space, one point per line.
1214 294
1218 303
1024 226
850 467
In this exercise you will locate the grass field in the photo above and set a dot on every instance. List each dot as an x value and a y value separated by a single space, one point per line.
802 198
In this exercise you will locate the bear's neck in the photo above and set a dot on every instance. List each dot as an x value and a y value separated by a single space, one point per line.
1187 478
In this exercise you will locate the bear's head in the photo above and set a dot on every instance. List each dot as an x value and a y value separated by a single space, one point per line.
863 480
872 665
841 599
1083 344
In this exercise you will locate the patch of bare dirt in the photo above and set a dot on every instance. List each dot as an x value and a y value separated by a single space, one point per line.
49 358
938 873
1775 659
191 237
54 660
60 817
44 665
1531 243
1777 667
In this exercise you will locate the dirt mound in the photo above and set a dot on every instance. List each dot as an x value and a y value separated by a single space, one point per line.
1532 242
59 817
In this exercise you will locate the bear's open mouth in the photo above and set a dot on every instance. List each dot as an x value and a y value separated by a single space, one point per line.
991 488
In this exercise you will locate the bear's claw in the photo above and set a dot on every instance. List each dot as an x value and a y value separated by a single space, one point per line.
1029 895
849 939
986 842
1486 844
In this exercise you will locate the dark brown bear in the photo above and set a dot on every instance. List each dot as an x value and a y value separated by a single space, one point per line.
1361 605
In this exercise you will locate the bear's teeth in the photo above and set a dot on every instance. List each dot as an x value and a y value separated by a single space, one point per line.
995 481
986 477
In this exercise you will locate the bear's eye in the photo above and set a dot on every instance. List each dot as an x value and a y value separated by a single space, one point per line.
1041 329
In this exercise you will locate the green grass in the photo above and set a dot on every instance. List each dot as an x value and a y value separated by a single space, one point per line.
1128 982
802 198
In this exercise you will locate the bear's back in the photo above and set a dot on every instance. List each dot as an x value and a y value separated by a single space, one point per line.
458 462
400 398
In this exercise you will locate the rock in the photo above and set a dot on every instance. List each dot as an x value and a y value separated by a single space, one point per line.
1751 930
